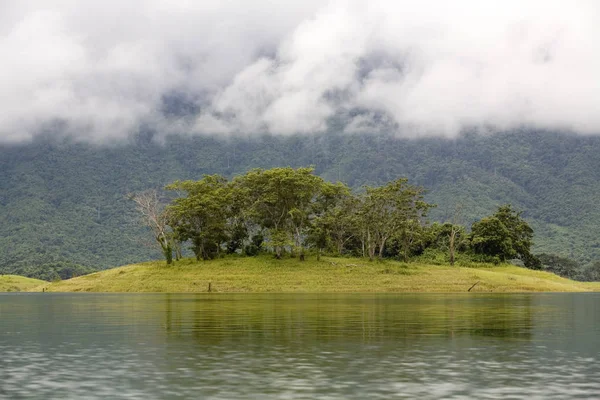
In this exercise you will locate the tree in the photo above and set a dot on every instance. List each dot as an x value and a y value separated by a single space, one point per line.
281 200
412 238
520 232
154 215
335 221
201 216
591 273
394 209
505 235
448 237
455 229
490 237
559 265
238 225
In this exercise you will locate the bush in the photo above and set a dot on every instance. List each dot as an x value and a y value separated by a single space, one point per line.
433 256
251 250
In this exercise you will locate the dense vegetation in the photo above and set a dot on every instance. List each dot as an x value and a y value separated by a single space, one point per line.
293 210
285 209
62 201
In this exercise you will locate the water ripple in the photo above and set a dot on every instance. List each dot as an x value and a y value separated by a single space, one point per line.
299 347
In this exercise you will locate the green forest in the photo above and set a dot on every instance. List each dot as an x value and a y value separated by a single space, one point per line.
65 210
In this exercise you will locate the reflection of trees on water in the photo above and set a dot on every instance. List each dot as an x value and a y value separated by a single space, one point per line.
220 319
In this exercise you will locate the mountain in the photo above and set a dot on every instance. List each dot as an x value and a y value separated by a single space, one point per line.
63 201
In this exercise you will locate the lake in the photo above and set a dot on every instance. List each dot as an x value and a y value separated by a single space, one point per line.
275 346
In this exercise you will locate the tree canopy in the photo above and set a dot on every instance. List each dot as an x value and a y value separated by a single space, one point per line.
292 210
505 235
285 209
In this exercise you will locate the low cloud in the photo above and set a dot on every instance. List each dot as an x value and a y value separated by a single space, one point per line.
98 70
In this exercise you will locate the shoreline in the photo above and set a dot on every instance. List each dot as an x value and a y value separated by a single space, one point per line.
264 274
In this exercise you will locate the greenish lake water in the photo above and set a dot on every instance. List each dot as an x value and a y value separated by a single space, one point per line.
264 346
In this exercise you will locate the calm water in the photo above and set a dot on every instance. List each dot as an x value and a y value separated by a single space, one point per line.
76 346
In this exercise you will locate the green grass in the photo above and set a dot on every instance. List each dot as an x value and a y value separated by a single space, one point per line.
14 283
265 274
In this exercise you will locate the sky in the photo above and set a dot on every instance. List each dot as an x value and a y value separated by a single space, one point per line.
98 70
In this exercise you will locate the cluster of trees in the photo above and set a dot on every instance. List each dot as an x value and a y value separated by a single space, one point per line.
283 210
293 210
505 235
570 269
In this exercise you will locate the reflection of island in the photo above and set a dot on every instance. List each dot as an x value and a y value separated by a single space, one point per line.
369 318
302 318
301 346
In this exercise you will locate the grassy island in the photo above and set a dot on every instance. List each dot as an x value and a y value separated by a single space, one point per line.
330 274
14 283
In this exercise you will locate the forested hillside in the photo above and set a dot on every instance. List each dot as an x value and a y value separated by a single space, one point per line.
64 203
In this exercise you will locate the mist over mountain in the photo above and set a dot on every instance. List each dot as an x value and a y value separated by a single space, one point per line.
100 70
65 201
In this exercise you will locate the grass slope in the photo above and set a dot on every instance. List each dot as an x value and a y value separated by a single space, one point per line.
13 283
265 274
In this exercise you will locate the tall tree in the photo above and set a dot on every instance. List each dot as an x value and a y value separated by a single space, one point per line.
201 215
394 209
520 232
505 235
448 237
335 221
490 237
591 273
281 200
455 229
154 215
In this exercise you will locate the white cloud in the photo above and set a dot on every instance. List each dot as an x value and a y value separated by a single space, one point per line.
422 67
